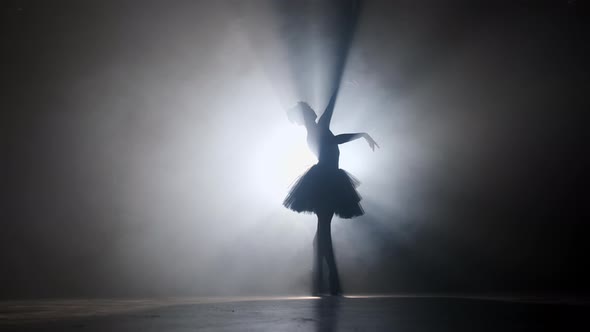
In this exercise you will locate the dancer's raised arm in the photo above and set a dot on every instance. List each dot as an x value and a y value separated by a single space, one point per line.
343 138
327 115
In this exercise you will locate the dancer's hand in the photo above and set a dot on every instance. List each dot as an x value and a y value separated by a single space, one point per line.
371 141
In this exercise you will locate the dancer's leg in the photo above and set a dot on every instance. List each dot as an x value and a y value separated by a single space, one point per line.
326 251
317 265
335 288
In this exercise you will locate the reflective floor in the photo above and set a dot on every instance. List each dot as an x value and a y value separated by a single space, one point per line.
349 313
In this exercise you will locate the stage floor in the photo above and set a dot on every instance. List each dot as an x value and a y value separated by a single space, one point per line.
348 313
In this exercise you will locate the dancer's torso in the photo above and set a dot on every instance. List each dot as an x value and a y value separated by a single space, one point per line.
322 143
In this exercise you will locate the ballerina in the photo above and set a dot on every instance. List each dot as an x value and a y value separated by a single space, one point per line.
325 189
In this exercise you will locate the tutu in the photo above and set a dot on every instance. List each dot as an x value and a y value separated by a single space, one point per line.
325 188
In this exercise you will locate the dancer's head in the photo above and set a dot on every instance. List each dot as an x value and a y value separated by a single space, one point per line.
301 113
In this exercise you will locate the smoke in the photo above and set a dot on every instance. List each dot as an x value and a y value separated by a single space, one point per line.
149 148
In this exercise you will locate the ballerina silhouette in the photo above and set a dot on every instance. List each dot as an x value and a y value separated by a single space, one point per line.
325 189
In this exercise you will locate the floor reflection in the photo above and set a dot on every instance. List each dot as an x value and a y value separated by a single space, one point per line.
327 313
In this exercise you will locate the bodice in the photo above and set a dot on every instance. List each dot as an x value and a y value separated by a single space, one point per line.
323 144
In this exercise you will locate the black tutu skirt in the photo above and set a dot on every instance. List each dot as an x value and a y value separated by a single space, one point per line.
323 189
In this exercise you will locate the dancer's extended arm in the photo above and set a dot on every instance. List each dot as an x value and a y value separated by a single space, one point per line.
343 138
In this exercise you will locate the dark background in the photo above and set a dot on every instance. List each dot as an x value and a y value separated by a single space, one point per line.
128 128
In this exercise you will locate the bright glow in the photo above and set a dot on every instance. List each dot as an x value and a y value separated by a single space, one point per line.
279 160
